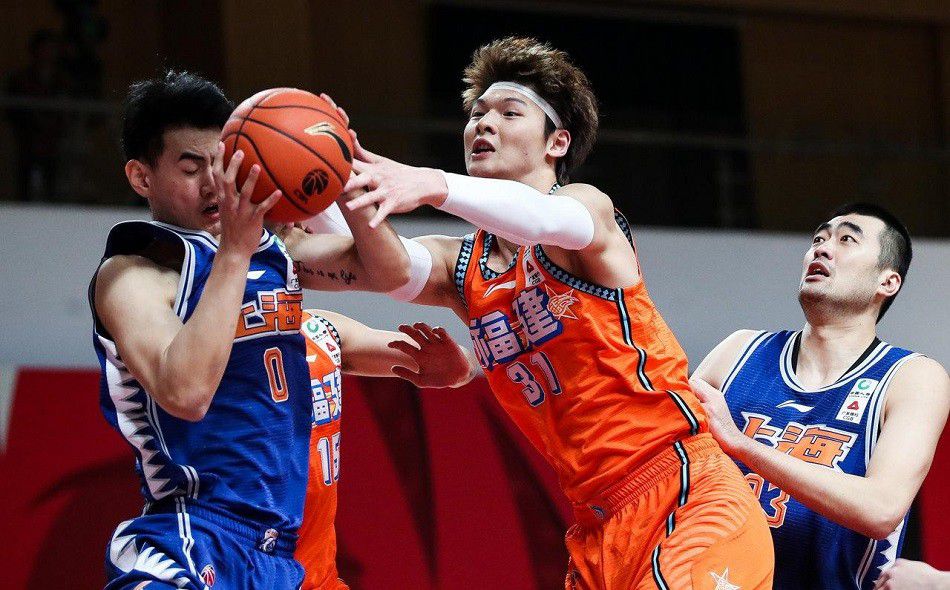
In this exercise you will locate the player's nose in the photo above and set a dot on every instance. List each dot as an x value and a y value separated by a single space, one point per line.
488 123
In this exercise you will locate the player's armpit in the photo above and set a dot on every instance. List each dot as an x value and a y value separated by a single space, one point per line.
440 290
715 368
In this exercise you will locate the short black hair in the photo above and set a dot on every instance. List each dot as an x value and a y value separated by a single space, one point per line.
896 249
174 100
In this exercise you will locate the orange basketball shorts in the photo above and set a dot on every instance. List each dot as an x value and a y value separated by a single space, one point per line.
684 520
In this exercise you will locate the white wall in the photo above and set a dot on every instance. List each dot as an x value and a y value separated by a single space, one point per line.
705 283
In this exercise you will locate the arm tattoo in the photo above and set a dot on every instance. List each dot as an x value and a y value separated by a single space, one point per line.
343 275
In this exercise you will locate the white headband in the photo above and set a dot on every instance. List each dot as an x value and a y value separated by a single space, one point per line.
531 95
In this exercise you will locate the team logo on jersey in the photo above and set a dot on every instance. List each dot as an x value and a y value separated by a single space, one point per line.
269 541
559 304
813 443
274 312
852 410
207 575
722 581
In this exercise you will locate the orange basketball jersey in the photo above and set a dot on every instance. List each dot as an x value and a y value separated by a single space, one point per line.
591 374
316 545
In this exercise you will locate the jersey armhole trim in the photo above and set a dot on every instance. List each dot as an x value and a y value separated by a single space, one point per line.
873 426
743 357
462 264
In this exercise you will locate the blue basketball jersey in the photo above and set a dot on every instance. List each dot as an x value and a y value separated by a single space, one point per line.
835 426
247 458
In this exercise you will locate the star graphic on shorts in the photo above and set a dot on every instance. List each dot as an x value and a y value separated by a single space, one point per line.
722 581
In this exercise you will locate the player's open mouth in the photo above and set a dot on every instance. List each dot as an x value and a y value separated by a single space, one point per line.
210 211
482 146
817 269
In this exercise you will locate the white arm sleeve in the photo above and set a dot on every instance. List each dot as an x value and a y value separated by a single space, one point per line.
518 213
331 221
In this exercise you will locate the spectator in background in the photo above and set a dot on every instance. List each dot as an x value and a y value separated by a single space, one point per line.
38 133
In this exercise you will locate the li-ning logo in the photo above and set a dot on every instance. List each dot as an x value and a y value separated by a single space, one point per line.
325 128
315 180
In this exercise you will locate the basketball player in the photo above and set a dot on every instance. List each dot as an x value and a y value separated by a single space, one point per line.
834 429
551 289
425 356
197 328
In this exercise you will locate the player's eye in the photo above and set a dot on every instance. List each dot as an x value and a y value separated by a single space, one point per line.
477 114
817 240
512 113
846 238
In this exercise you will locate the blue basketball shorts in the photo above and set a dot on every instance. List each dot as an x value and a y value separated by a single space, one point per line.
199 549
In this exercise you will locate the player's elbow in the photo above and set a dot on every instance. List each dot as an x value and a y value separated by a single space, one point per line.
881 522
186 402
395 277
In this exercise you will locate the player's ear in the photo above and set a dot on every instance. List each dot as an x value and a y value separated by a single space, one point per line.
890 283
137 173
558 142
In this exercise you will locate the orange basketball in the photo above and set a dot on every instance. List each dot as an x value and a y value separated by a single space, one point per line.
301 144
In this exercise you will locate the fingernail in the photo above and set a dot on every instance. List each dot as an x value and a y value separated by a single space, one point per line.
238 154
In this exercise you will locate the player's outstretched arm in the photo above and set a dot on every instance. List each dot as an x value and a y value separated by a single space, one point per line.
357 258
425 356
181 365
574 218
914 415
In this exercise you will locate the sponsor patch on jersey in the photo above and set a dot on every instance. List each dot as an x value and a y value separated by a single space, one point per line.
852 410
532 273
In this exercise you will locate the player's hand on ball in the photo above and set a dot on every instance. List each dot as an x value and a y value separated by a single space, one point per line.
440 361
721 426
339 109
241 220
394 187
912 575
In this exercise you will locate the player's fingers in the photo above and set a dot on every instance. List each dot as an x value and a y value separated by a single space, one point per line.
414 333
231 173
425 329
264 206
385 208
327 98
403 347
441 334
358 181
366 199
360 152
217 160
701 389
247 189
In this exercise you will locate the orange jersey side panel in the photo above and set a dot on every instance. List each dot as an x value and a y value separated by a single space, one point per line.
592 375
316 546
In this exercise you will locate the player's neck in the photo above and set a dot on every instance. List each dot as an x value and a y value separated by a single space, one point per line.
541 179
829 349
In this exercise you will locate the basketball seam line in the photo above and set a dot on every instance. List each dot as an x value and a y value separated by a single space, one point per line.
269 173
306 147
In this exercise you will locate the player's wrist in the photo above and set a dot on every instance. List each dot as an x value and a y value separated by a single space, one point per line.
437 188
